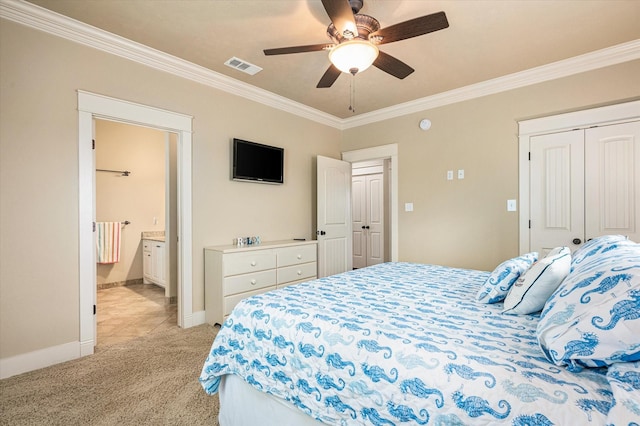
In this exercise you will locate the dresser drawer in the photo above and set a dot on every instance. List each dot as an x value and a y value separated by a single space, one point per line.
248 282
242 263
295 255
297 272
231 301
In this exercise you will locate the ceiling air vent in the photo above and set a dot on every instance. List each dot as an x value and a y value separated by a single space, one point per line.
243 66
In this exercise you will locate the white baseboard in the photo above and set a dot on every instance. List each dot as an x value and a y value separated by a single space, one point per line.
41 358
46 357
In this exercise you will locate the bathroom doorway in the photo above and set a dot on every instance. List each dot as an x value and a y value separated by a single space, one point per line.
135 187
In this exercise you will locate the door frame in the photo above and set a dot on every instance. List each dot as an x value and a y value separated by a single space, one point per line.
606 115
383 152
93 106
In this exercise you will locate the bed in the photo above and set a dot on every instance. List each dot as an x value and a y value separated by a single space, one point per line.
406 343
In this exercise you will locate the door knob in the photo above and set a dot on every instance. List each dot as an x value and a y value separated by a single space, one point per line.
577 241
363 227
366 227
320 232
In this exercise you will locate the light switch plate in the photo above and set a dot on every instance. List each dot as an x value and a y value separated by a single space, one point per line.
449 174
511 205
408 207
461 174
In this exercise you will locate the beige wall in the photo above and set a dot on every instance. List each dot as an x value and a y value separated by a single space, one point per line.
138 198
461 223
39 76
465 223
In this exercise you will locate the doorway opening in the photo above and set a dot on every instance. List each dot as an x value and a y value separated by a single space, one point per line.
135 201
388 154
91 107
370 212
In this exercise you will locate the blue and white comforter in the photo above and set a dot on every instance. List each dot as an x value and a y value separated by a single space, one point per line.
402 343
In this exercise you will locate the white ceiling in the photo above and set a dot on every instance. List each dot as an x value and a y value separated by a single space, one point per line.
486 39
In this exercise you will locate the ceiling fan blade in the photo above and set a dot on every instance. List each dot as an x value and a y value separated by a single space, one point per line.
341 15
298 49
393 66
413 28
329 77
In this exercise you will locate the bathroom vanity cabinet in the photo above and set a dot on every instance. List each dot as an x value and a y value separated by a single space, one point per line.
153 262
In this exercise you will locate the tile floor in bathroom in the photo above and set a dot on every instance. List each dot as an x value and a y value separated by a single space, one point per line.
127 312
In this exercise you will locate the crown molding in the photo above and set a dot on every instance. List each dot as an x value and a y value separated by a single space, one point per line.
617 54
53 23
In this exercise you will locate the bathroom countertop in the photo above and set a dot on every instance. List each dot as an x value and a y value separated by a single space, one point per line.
153 235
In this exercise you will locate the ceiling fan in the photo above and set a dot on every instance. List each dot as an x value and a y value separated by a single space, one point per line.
355 38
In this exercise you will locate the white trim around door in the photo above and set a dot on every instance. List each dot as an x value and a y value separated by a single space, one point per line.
379 153
91 106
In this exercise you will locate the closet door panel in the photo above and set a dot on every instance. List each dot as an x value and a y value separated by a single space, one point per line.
375 216
557 182
359 212
612 179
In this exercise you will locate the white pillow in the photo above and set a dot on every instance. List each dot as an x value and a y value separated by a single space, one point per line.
556 251
531 291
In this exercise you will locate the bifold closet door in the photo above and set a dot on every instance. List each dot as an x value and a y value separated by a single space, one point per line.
612 180
584 184
368 219
557 191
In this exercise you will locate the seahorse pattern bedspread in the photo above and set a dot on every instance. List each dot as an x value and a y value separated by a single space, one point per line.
401 343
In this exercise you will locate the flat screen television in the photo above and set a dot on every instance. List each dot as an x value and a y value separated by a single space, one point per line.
257 162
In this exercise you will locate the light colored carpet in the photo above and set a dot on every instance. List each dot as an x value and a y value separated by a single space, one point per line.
148 380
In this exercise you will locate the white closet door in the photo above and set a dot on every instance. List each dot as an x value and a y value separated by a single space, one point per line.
612 179
359 214
557 194
375 218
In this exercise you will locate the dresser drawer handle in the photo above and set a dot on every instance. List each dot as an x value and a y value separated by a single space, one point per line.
299 272
253 282
253 263
299 256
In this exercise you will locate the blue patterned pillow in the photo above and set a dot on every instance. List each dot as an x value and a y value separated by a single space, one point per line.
597 245
593 318
502 278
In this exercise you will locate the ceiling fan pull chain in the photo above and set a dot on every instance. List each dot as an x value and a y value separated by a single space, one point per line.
352 94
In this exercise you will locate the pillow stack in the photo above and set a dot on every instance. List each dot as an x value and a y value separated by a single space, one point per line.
593 318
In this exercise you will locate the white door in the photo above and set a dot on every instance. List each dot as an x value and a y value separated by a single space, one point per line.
368 219
359 220
557 191
584 183
612 163
375 219
333 216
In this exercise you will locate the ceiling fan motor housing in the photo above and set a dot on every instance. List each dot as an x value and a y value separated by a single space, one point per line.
365 24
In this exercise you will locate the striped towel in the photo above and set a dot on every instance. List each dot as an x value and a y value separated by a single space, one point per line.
108 242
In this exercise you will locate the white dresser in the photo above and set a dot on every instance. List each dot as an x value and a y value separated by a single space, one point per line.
232 273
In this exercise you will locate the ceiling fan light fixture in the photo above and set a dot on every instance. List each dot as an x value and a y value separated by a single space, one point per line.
353 54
